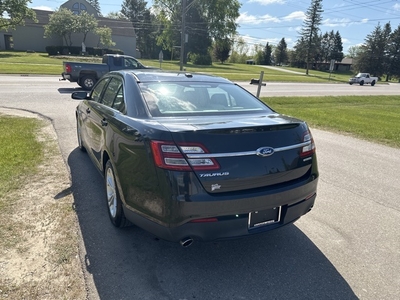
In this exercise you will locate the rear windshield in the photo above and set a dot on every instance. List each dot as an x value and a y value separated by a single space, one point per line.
184 98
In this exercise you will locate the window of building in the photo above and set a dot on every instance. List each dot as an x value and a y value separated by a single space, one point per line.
77 8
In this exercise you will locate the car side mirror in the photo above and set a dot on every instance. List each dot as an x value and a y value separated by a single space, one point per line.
80 95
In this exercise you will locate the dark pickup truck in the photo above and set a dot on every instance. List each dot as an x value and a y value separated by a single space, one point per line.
87 74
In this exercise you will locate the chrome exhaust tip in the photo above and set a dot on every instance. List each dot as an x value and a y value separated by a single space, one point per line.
186 242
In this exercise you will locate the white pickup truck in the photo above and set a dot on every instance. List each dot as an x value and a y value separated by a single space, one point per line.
363 78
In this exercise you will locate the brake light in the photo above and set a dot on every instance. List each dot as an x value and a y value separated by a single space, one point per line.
205 220
170 156
68 68
309 149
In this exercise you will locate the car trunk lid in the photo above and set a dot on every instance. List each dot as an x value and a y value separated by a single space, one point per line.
240 153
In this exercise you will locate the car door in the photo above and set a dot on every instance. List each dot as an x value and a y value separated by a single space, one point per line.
106 120
92 126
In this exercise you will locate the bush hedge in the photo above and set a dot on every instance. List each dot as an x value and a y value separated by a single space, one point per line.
200 59
75 50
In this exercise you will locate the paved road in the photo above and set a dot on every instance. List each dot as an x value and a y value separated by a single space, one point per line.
348 247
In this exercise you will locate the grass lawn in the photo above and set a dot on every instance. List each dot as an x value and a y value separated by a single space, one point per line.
14 62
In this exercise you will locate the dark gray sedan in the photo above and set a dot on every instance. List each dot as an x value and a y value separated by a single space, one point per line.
195 157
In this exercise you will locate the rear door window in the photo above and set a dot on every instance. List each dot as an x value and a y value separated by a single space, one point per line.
98 89
111 92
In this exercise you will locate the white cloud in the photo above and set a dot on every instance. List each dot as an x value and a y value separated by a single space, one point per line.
245 18
296 15
42 7
267 2
396 7
336 22
345 22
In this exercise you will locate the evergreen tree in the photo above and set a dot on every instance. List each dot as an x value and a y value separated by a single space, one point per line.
281 54
337 51
266 57
299 54
374 57
96 5
310 29
140 16
222 48
394 54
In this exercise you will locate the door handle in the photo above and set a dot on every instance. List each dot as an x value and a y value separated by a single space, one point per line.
104 122
88 110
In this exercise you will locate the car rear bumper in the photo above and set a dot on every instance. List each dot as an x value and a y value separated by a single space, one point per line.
293 204
65 76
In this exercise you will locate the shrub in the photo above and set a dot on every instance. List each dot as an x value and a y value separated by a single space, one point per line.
200 59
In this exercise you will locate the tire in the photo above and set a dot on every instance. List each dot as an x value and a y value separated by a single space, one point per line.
79 136
362 82
87 82
373 83
350 83
114 203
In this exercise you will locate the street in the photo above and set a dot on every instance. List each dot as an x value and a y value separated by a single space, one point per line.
347 247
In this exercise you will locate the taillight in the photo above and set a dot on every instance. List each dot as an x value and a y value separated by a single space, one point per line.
68 68
205 220
310 148
170 156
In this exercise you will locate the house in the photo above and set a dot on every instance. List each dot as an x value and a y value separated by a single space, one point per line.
344 65
30 37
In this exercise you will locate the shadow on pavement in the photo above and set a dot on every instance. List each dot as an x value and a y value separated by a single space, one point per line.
132 264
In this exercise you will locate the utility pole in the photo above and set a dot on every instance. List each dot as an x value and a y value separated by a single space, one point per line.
183 30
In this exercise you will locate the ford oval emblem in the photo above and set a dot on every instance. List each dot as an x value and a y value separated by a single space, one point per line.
265 151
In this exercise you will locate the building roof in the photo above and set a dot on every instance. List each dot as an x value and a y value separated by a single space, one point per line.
118 27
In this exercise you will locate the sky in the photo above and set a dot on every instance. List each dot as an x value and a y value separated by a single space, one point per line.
263 21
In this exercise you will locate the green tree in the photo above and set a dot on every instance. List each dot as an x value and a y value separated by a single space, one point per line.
63 23
394 54
104 34
327 45
221 16
199 41
267 54
96 5
216 19
280 53
310 29
239 50
354 51
373 57
222 48
137 12
85 23
337 52
169 35
14 12
298 57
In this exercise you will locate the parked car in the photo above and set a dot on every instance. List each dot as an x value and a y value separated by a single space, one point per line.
363 78
87 74
195 157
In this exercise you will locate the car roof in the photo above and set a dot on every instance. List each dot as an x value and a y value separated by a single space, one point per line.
156 75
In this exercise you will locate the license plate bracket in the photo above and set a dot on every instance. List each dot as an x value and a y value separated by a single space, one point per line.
264 217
